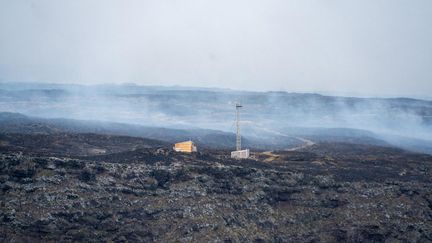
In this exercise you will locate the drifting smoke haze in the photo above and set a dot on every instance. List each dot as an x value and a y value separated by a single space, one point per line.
118 121
370 49
265 113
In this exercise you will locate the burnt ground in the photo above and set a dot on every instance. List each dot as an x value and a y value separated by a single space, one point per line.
73 144
330 192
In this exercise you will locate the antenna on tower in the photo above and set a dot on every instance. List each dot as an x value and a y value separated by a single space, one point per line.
238 136
239 153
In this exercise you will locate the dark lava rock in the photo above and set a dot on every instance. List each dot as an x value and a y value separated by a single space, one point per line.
87 176
162 176
153 194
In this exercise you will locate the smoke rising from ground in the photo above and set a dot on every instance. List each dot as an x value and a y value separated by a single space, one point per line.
178 107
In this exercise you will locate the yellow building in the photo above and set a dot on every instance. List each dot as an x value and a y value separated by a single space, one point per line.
186 147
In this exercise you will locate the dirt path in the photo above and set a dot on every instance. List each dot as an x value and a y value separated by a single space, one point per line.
306 143
272 156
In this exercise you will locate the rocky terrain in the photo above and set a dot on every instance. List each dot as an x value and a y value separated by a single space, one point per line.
327 192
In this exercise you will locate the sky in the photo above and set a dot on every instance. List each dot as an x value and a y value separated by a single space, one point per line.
378 47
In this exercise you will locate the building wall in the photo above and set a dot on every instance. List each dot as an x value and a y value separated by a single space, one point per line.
187 146
241 154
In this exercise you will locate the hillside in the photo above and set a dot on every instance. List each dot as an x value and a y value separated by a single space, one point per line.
178 113
322 169
19 123
332 192
74 144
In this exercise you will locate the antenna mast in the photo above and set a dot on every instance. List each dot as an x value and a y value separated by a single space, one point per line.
239 154
238 136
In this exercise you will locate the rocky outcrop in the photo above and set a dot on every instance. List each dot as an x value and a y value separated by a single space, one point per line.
157 195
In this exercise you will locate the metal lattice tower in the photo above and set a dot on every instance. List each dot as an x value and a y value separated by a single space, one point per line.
238 136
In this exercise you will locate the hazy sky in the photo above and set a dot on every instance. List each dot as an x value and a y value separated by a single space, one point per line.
364 46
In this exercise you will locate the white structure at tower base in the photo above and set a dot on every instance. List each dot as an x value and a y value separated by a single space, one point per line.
240 154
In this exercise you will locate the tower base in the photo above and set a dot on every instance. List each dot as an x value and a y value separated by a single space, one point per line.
240 154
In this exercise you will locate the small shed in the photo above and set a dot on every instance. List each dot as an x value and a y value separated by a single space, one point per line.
185 147
240 154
